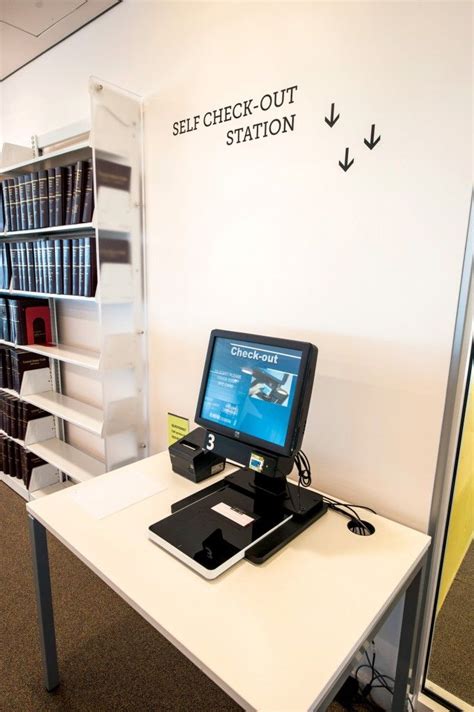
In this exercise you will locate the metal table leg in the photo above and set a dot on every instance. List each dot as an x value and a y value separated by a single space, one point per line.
405 647
44 604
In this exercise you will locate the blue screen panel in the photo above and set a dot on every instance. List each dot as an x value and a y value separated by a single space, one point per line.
251 388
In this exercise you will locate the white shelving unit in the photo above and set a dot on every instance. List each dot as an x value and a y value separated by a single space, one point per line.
114 145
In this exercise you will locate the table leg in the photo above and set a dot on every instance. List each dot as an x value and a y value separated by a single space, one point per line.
44 603
405 648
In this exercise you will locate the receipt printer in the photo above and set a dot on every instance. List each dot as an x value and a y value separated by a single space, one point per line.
190 459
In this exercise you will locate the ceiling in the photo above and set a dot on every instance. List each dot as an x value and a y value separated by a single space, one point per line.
30 27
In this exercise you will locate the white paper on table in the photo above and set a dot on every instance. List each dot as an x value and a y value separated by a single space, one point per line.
105 496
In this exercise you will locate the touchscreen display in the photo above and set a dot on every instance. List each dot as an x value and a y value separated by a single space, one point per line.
251 388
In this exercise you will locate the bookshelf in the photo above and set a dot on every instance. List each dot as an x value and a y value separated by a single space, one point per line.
116 357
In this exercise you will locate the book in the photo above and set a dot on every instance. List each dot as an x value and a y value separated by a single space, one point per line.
43 198
30 267
90 267
58 266
51 197
23 266
69 190
16 186
78 192
50 268
88 207
28 412
36 265
22 180
35 322
11 204
5 323
43 265
15 265
29 461
30 218
6 206
60 196
75 266
67 284
81 270
35 199
3 209
22 361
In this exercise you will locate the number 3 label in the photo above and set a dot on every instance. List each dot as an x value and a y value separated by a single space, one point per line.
211 439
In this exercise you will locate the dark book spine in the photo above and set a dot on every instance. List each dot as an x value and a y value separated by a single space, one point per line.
59 173
2 267
44 266
14 417
17 455
51 270
36 264
75 266
90 267
69 189
8 362
10 192
3 375
77 195
58 266
23 267
30 267
15 267
30 216
13 318
81 256
4 203
35 199
16 183
23 205
67 286
51 197
43 198
88 194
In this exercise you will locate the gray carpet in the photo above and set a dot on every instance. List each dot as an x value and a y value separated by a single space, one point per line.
452 654
110 659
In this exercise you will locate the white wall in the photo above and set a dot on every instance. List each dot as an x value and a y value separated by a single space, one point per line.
365 264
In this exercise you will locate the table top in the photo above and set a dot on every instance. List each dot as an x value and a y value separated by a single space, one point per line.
274 636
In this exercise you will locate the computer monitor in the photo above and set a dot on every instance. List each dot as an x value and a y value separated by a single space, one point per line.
257 390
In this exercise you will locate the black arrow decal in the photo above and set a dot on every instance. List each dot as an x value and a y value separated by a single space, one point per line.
330 122
372 144
345 166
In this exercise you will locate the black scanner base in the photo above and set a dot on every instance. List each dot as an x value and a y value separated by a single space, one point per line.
305 506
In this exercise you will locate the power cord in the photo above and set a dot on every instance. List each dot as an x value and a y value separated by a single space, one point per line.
377 681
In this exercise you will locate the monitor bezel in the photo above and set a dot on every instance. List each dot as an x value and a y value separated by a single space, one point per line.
299 402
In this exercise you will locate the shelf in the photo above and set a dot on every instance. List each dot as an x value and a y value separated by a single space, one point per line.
68 459
78 227
67 354
10 437
56 487
32 162
16 485
10 392
70 409
45 295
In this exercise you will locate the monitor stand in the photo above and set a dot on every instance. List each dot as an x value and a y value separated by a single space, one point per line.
270 494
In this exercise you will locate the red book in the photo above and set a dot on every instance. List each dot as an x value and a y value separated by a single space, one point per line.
38 325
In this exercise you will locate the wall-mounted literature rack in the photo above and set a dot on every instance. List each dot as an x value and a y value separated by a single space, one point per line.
112 147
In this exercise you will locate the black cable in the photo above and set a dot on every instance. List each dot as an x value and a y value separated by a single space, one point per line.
376 676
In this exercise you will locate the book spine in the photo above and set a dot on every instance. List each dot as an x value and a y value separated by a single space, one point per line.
11 215
75 266
36 266
51 271
81 257
44 266
58 265
30 217
69 189
5 207
43 198
23 205
15 270
23 267
77 193
8 359
88 194
59 174
35 199
67 286
90 267
16 184
51 197
12 313
2 266
30 267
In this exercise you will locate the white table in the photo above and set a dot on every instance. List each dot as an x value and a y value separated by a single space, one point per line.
280 636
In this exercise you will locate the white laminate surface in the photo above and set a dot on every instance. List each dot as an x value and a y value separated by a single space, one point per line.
274 636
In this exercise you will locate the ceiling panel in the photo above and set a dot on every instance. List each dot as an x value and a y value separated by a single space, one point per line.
30 27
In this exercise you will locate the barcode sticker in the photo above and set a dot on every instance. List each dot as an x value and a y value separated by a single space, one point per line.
236 515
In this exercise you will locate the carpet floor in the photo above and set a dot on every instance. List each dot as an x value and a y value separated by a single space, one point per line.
452 653
109 657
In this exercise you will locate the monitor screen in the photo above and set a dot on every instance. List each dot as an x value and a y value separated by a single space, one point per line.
251 387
